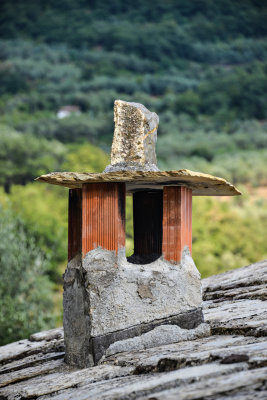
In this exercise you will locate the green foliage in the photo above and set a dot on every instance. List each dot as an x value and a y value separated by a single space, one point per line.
129 246
23 157
44 208
166 30
243 92
25 291
85 158
10 80
228 234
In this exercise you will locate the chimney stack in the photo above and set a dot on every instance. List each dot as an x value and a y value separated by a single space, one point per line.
107 297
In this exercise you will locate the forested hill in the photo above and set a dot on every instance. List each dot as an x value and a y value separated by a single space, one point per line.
170 28
201 65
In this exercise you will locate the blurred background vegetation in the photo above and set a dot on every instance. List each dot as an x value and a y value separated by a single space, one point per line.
200 64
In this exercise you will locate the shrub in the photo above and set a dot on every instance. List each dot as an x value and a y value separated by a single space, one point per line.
25 292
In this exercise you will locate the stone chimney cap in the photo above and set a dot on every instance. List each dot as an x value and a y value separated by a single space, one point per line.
133 160
201 184
135 136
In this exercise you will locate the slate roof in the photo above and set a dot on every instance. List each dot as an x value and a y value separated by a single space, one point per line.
230 364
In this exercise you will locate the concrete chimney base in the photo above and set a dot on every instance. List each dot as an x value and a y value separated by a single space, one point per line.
107 299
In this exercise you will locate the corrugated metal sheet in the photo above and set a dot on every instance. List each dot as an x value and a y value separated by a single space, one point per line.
177 222
103 216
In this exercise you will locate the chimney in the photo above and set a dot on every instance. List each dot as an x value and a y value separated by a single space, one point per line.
108 298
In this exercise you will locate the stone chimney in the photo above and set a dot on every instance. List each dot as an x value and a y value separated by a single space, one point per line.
108 299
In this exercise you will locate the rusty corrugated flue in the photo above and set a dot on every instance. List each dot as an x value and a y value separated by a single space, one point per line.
177 222
103 216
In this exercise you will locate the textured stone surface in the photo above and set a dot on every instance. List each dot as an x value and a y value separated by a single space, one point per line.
235 301
30 361
220 348
76 320
227 285
201 184
134 140
66 378
26 348
246 317
187 320
235 380
134 387
47 335
161 335
122 294
107 299
219 367
30 372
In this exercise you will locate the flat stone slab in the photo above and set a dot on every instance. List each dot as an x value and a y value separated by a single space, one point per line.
161 335
235 301
201 184
63 379
250 279
226 349
147 386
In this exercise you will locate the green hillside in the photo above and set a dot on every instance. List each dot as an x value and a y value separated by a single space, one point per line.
201 65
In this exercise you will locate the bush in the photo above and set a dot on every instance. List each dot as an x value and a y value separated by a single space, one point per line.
228 234
23 157
25 292
85 158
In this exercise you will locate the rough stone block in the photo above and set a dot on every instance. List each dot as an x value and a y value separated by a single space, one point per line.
110 299
161 335
123 294
135 136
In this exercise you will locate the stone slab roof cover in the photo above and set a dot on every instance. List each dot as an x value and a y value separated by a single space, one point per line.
231 363
133 159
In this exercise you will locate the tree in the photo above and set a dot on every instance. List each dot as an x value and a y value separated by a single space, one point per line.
25 292
23 157
85 158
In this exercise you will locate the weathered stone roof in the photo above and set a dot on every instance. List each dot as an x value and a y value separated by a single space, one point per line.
201 184
230 364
